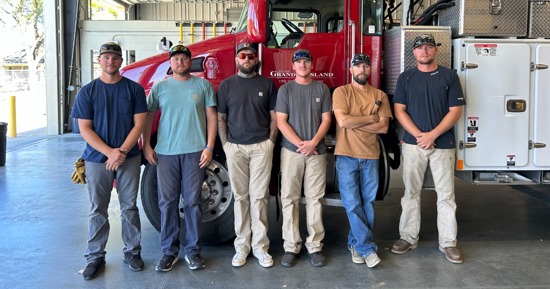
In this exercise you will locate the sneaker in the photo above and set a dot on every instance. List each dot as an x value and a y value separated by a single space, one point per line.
355 257
93 269
239 259
452 254
195 261
289 259
134 261
317 259
264 259
401 247
165 264
372 260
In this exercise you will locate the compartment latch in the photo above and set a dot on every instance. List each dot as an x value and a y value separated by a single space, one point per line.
496 7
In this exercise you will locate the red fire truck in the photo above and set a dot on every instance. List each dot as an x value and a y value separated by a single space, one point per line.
333 30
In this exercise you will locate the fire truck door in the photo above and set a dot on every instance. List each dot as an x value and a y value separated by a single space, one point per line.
496 87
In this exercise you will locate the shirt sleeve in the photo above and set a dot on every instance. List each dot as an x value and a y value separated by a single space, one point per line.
152 99
83 105
339 100
385 109
272 95
221 97
140 101
327 101
210 96
456 97
400 95
282 100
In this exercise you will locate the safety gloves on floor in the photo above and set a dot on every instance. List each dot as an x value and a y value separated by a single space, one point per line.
78 175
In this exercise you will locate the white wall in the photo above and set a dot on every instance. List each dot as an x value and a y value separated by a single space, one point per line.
140 36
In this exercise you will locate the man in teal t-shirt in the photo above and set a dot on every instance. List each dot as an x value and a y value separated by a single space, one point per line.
186 136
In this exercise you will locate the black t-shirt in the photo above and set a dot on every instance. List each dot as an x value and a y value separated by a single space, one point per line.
428 96
247 102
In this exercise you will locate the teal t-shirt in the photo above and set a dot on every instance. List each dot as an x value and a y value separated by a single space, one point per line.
182 124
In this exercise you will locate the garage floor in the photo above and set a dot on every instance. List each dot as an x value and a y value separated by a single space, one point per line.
504 235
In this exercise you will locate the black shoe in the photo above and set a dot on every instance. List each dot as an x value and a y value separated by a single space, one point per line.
93 269
317 259
134 261
289 259
195 261
165 264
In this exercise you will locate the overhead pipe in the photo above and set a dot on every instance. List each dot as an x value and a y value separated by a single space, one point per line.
181 32
192 32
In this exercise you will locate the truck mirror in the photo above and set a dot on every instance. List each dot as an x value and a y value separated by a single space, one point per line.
257 21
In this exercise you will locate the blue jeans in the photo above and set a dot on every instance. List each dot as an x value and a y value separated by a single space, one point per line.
100 185
358 183
180 175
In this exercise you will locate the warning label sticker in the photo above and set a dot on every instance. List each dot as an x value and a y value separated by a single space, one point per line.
486 49
472 128
511 160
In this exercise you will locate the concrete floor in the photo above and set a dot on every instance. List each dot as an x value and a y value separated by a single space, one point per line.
504 235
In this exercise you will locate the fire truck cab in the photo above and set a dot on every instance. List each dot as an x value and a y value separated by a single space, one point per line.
333 30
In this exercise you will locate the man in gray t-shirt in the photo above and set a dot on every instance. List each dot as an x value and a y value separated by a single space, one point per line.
303 117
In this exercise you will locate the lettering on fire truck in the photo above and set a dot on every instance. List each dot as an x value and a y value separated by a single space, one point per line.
292 74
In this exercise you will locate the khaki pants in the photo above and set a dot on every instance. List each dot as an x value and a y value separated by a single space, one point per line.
415 162
250 171
312 170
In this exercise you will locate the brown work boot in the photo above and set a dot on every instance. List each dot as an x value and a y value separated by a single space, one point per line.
401 247
452 254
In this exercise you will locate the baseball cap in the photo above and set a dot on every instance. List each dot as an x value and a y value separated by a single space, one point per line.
178 48
110 47
247 45
301 53
360 58
427 39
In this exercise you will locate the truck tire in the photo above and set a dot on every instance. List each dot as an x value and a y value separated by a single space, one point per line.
217 203
383 171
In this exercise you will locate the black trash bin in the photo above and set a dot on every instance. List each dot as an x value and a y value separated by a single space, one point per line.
3 143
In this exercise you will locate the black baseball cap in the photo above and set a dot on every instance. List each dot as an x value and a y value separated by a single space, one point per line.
247 45
178 48
360 58
301 53
427 39
110 47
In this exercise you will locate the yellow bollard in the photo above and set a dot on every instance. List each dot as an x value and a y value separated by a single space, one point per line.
12 127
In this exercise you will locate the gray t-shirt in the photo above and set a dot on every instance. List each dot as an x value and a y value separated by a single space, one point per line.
304 105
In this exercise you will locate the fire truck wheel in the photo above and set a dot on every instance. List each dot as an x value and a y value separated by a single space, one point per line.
217 203
383 171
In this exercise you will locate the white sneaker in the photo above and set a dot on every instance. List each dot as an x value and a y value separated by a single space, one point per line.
239 259
356 258
372 260
264 259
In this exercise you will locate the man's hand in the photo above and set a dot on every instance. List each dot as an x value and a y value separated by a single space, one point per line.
307 148
116 158
206 157
150 155
426 140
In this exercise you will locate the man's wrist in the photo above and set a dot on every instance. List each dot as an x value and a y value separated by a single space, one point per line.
209 148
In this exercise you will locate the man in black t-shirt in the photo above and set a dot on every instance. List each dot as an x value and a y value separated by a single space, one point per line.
248 130
428 102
